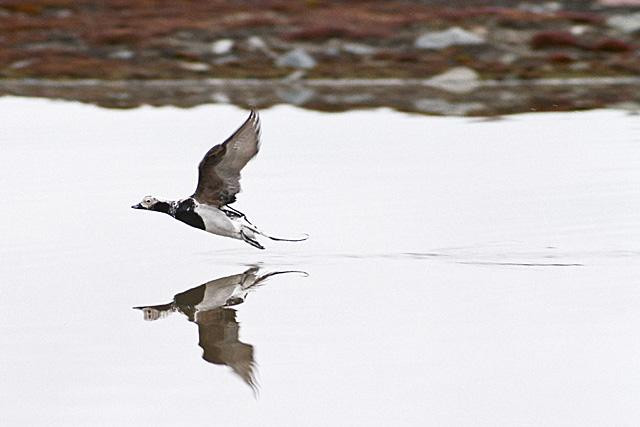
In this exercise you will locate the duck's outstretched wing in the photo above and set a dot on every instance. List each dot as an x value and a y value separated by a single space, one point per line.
219 170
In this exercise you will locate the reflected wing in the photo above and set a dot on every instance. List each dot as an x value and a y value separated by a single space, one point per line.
218 332
219 170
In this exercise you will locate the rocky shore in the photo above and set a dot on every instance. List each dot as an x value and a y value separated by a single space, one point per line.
480 45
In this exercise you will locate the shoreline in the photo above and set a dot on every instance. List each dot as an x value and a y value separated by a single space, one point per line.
343 82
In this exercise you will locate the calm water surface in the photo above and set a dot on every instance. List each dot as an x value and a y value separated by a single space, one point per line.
459 271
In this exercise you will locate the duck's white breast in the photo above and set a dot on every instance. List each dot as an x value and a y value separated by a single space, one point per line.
216 222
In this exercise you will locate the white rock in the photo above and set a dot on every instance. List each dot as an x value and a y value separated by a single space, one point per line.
446 38
222 47
625 23
458 80
296 58
256 43
578 30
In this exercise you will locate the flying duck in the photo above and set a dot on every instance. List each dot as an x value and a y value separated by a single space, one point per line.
218 183
209 306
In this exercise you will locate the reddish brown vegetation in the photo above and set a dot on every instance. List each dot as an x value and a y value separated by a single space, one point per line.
328 31
153 38
560 58
612 45
552 39
581 17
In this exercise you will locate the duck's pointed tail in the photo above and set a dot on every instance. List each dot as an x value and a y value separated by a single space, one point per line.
282 239
254 229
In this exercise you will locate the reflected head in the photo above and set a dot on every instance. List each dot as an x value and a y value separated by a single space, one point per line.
156 312
150 313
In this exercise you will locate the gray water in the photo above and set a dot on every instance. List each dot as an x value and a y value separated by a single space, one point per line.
459 271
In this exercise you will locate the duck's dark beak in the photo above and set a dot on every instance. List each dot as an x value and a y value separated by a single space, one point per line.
138 206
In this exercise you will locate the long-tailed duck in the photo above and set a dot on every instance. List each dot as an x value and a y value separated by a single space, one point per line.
218 183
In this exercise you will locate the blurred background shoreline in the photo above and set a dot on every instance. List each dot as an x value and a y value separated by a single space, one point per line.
476 57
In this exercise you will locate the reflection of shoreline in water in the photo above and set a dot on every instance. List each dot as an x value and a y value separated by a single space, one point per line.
458 98
208 306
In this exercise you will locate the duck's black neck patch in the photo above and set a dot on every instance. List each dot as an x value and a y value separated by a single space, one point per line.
161 207
185 212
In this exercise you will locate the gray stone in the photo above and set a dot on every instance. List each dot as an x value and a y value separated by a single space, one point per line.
226 59
296 58
580 66
548 7
625 23
66 46
256 43
222 46
630 106
295 95
358 49
441 106
360 98
450 37
296 75
62 13
120 96
194 66
122 54
457 80
332 51
22 64
332 48
220 98
509 58
619 3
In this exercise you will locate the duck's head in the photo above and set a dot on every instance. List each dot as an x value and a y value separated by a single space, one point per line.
148 203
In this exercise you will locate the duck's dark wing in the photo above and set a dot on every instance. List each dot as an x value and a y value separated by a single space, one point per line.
219 170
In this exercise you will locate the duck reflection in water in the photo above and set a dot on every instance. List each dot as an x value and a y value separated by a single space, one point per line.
208 306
